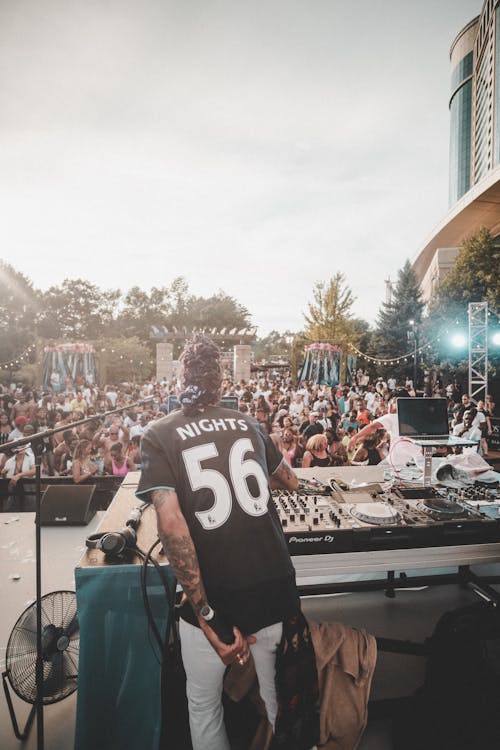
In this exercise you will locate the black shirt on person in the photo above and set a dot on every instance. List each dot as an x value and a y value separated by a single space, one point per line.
218 462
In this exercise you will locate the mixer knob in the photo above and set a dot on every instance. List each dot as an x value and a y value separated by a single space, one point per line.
292 517
302 517
315 520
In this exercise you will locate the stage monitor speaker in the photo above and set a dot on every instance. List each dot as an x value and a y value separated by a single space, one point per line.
67 505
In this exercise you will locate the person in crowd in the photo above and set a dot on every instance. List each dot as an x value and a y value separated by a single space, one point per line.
336 449
5 428
461 408
248 587
351 421
369 453
312 427
19 424
401 451
363 415
491 406
78 404
83 467
466 429
119 463
105 437
483 424
291 444
21 465
134 450
316 452
138 428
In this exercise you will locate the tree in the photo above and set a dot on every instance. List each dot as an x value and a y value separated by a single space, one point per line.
77 309
390 339
218 311
275 344
475 276
18 310
141 310
329 317
123 360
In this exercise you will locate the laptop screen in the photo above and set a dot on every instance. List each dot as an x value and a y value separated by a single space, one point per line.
422 417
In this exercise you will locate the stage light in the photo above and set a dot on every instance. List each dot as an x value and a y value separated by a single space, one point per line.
458 340
496 338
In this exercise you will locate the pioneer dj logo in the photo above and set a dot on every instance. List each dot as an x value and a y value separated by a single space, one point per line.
316 539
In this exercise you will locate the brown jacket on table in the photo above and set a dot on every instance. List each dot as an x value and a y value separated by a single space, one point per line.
345 660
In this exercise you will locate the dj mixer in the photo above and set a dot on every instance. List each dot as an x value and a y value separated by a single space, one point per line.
345 520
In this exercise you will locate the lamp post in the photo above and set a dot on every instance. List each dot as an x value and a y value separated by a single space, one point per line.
412 335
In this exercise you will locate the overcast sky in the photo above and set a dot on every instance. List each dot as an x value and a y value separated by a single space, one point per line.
254 147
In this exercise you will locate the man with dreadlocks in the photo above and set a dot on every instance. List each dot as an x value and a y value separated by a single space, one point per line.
208 471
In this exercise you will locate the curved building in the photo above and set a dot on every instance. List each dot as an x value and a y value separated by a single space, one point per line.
474 187
461 54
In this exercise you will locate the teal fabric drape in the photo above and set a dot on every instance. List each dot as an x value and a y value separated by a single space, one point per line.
119 671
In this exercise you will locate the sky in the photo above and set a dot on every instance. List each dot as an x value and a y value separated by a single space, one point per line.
251 147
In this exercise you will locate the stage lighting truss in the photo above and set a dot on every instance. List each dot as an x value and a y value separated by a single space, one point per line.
478 350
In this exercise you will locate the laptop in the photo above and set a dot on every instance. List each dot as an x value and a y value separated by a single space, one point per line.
424 420
67 505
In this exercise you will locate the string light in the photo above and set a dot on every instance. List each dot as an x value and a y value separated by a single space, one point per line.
10 364
394 360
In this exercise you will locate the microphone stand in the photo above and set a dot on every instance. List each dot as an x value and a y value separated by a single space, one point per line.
37 441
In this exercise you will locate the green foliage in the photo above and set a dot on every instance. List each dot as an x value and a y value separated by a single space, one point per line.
475 276
273 345
161 306
329 319
218 311
122 360
18 310
77 310
390 338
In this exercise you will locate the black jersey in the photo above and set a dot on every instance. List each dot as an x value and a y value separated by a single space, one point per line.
218 462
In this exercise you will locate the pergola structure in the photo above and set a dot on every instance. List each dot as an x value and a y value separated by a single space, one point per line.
226 335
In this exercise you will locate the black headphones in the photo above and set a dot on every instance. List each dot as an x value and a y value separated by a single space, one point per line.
116 543
113 543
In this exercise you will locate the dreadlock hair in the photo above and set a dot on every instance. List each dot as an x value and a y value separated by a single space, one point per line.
200 374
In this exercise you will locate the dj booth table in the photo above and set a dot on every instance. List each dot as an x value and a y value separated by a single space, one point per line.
119 671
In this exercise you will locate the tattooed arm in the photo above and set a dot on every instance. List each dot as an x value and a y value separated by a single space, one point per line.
180 550
284 478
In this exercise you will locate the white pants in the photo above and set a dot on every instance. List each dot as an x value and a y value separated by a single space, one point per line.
204 673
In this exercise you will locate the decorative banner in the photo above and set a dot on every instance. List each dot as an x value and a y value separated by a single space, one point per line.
322 364
351 367
71 348
67 365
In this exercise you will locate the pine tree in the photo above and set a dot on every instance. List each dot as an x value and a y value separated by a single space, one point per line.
390 339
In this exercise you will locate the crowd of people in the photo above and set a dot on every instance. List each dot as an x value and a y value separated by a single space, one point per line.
312 425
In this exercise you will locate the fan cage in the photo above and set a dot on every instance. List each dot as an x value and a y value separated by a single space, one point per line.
59 611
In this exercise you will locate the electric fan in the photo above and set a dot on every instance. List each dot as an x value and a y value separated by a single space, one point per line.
60 644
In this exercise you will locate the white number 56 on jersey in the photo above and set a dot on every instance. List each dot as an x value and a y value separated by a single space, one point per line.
240 468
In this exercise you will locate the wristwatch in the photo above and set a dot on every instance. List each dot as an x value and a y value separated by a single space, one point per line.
207 612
